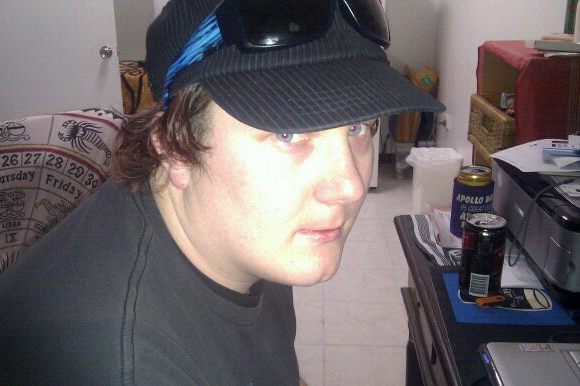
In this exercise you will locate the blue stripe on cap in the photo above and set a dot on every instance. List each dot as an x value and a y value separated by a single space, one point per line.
206 37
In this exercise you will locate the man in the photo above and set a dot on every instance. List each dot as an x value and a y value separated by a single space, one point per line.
244 180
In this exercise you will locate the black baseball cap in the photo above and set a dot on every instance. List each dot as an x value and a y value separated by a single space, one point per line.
338 79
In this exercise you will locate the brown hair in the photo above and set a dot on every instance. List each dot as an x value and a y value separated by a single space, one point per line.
181 132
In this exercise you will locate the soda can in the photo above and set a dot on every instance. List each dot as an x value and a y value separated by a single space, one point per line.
483 248
472 193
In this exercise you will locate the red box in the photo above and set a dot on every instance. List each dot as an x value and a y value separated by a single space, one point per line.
547 90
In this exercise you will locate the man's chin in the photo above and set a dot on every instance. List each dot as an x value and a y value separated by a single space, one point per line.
316 275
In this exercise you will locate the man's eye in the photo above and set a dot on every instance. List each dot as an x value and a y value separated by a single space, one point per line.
356 130
285 137
364 128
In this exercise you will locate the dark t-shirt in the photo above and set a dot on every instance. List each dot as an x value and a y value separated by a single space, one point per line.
108 298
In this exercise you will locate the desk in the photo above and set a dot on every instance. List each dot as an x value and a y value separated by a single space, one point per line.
441 350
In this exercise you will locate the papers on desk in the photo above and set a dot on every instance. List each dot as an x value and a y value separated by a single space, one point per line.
562 162
520 275
555 47
441 219
528 158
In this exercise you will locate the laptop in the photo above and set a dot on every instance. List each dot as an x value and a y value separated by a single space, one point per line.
531 364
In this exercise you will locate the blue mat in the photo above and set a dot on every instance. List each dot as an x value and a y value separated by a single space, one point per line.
472 313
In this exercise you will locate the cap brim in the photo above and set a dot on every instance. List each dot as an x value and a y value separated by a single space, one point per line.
318 96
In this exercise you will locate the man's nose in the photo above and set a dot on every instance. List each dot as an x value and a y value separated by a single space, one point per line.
341 181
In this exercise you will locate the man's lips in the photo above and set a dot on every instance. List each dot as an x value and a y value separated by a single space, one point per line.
322 235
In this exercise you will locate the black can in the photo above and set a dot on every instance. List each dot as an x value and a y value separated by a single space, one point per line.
484 237
472 193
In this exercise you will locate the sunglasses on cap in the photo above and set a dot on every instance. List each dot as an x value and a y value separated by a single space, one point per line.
264 24
259 25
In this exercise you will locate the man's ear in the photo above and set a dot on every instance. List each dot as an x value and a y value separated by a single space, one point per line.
178 173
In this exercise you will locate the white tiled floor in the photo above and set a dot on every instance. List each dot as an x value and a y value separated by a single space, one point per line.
352 330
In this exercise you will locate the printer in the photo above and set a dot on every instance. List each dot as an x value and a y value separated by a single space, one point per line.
544 222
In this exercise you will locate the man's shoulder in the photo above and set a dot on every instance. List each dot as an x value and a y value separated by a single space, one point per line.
66 295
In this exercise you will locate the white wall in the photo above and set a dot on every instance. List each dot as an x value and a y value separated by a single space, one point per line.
413 25
50 57
132 19
463 25
158 6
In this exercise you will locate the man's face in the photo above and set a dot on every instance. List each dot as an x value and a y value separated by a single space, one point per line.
272 206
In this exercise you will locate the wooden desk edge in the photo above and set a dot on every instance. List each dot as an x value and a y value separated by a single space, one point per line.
419 269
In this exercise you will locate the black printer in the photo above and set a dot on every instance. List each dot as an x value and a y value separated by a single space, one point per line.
545 222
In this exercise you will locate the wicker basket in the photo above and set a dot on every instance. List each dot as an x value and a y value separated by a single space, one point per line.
493 129
480 154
